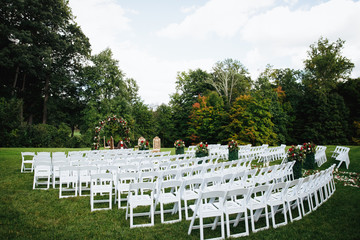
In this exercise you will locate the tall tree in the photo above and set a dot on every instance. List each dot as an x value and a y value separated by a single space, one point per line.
251 121
230 77
326 66
189 86
207 119
42 44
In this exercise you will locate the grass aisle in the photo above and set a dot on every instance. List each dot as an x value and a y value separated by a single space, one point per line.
37 214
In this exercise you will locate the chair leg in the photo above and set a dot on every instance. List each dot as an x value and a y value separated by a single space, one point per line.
201 228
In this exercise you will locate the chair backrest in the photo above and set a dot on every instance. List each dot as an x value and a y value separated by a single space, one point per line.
239 194
87 171
68 172
148 176
261 193
123 180
102 182
27 155
211 182
172 174
170 186
142 188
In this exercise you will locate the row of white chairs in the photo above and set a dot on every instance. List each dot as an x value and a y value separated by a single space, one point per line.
29 158
185 186
47 173
272 154
279 197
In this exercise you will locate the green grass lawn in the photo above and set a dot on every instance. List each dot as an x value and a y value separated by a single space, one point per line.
37 214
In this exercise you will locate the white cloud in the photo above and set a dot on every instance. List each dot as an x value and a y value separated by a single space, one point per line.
255 32
280 32
100 20
222 17
156 77
188 9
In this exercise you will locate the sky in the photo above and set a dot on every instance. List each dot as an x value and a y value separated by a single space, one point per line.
154 40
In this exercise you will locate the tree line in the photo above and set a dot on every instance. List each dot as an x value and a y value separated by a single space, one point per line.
54 92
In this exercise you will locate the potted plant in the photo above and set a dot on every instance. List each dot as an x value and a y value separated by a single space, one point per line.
233 150
309 151
179 147
296 154
201 150
144 145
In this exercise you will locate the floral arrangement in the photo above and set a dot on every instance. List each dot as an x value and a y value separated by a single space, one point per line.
144 145
202 148
179 144
233 146
295 154
309 148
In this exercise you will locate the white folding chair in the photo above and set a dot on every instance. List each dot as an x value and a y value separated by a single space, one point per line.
140 194
42 175
205 207
56 171
258 202
292 199
123 182
85 173
169 192
68 181
27 158
101 191
304 194
235 203
189 192
276 200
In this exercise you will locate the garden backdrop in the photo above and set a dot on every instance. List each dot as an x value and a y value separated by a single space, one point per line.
54 92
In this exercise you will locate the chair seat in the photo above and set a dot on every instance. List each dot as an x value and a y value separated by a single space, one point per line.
207 210
140 200
167 198
188 194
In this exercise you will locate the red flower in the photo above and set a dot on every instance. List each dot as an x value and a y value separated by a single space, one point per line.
201 145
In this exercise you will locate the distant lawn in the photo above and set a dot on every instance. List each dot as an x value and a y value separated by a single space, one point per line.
37 214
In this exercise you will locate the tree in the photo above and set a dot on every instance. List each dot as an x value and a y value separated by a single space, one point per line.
206 119
104 90
189 86
228 77
164 125
250 121
41 43
326 66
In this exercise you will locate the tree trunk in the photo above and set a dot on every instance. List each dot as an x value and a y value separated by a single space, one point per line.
22 99
72 130
46 98
15 79
30 121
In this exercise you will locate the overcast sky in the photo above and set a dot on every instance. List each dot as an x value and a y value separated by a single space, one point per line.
155 39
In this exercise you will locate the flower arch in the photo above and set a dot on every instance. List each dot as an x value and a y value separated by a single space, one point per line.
118 120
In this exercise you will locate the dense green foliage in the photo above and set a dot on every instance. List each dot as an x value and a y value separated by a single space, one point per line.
51 86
